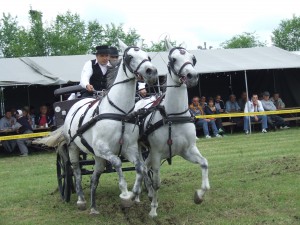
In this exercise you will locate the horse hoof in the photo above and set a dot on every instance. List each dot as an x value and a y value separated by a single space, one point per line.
152 214
197 198
81 205
94 212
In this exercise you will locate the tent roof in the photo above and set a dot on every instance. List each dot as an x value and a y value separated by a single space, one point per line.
63 69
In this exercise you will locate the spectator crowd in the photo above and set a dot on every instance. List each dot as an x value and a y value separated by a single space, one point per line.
255 103
24 121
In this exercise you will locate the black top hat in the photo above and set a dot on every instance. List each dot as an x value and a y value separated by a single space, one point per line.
113 51
102 49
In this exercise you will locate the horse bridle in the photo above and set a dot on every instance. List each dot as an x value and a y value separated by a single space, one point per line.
127 58
172 62
126 64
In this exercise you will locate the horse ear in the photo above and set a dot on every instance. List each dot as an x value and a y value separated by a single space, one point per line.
168 45
122 45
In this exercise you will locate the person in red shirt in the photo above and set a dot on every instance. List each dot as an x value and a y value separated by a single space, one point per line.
43 118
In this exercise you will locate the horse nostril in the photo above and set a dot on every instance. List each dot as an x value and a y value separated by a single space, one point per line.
149 71
189 76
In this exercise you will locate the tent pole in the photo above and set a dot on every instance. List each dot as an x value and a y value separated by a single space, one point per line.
2 107
246 84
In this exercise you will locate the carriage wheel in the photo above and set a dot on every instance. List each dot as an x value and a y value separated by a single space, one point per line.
64 175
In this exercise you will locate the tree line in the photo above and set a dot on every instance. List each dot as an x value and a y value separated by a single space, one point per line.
68 34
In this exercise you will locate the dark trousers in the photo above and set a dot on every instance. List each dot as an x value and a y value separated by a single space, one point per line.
276 121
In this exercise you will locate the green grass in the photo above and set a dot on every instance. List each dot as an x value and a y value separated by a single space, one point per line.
254 179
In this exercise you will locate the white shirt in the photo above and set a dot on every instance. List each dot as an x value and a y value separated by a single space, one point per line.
87 72
249 107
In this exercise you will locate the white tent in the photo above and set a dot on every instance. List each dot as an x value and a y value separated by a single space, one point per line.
63 69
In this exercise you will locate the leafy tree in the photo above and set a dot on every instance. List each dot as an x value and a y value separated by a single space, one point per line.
66 36
287 35
244 40
11 37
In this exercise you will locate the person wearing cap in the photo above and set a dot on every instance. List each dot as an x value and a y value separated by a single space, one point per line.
94 72
255 105
114 57
23 127
7 123
273 120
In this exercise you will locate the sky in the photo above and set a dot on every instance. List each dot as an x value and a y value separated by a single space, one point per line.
188 22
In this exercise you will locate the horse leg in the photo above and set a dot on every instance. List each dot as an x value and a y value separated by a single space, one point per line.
194 156
139 168
125 195
155 159
74 158
98 170
147 178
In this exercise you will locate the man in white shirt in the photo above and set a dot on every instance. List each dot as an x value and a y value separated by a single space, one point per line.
94 72
255 106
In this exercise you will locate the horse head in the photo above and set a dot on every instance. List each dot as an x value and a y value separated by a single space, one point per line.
138 62
181 64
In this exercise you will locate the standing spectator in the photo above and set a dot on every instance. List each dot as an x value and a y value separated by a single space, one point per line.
211 109
273 120
232 105
196 110
220 105
6 123
22 128
243 100
255 106
43 118
279 104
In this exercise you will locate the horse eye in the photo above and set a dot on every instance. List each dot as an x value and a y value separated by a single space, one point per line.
173 60
149 58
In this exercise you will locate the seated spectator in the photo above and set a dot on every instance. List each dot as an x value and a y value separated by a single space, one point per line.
255 106
196 110
279 104
243 100
7 123
203 102
220 105
232 105
273 120
23 127
211 109
43 118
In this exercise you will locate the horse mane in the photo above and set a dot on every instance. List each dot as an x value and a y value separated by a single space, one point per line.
112 73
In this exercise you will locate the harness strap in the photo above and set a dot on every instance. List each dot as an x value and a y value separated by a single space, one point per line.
76 111
93 121
114 105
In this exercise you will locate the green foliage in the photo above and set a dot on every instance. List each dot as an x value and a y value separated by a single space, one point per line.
159 46
67 35
287 35
244 40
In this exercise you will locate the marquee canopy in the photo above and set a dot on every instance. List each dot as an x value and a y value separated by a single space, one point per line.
54 70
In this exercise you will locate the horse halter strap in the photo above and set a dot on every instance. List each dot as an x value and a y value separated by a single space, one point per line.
127 58
171 62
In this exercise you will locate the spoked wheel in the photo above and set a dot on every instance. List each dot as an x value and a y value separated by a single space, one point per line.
64 174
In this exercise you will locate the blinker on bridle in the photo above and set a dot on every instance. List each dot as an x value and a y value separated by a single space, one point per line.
127 58
172 61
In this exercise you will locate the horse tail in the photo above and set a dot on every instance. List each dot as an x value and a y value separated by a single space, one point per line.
54 139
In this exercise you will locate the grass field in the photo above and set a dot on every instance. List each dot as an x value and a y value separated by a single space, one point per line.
254 179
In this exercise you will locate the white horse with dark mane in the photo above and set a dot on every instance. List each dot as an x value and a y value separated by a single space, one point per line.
103 129
169 130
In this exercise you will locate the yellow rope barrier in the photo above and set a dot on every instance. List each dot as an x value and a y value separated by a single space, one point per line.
21 136
224 115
